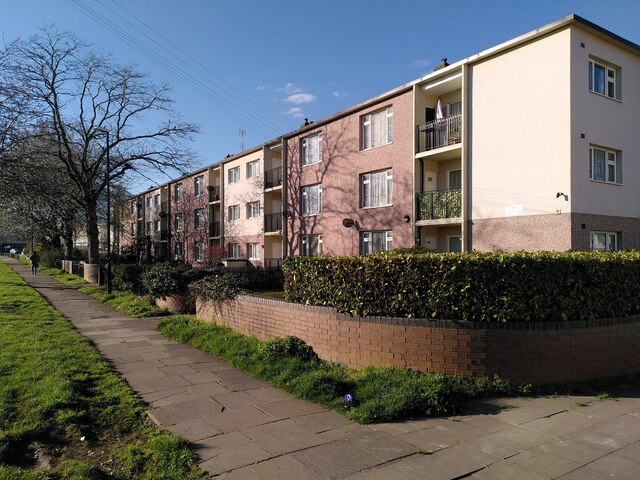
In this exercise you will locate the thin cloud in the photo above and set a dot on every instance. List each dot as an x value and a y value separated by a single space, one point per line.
422 63
300 98
295 112
289 89
338 94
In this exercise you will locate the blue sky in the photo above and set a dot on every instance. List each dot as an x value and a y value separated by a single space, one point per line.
263 66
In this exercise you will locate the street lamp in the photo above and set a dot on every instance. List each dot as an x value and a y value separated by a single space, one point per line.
109 285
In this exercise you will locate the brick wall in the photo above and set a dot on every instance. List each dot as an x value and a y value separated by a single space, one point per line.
525 352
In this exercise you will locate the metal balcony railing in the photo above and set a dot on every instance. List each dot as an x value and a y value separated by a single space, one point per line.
272 262
439 133
273 222
214 229
214 193
273 178
439 204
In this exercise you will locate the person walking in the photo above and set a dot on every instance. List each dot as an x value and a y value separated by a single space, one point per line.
35 261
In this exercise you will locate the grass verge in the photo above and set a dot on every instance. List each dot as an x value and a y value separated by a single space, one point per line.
64 413
125 302
369 395
62 276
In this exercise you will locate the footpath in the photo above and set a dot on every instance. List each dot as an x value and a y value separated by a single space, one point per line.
243 428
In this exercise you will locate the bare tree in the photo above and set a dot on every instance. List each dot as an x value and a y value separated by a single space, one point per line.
79 94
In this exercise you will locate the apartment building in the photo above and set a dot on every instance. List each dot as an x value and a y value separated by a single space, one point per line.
529 145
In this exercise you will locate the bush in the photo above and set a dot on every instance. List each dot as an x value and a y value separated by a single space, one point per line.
166 279
502 287
289 346
126 277
217 286
48 256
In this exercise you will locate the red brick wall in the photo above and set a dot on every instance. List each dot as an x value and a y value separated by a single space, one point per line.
523 352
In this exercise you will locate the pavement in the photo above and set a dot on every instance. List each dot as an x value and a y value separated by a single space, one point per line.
243 428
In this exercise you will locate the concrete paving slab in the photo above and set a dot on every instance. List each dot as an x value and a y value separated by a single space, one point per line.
269 394
383 446
198 377
500 471
282 437
506 443
572 449
194 430
231 420
322 421
274 469
552 466
441 434
206 389
236 399
229 451
290 408
183 411
449 463
337 459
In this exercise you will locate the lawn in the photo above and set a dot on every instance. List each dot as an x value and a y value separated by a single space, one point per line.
125 302
64 412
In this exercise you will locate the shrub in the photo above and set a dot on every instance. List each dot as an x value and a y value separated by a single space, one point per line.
126 277
538 286
289 346
48 256
217 286
166 279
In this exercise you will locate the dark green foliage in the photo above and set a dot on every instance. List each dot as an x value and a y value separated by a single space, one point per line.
166 279
503 287
48 256
217 286
380 394
126 276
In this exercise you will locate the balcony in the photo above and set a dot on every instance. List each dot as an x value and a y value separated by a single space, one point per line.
439 133
214 193
272 263
214 229
160 236
439 204
273 222
273 178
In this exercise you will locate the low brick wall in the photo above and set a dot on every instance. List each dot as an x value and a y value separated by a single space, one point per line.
523 352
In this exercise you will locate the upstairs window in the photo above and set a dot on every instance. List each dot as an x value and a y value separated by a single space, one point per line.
603 79
156 199
233 250
311 200
179 222
233 212
312 149
156 226
179 192
198 252
233 175
253 169
149 227
377 128
253 209
604 165
199 186
253 251
149 201
377 189
199 218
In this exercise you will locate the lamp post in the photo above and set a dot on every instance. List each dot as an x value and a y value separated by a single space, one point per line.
108 178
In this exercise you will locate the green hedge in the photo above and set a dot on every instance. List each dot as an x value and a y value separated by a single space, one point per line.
503 287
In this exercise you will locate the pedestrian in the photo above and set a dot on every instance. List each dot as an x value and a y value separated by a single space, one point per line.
35 261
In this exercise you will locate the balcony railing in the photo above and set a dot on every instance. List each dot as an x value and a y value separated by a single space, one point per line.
440 204
272 262
214 229
439 133
160 236
214 193
164 207
273 178
273 222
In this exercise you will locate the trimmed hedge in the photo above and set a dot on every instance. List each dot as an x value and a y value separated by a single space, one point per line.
502 287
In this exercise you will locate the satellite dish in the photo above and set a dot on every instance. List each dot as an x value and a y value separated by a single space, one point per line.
347 222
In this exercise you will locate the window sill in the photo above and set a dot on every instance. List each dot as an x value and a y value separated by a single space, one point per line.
604 182
311 215
606 96
387 205
377 146
304 165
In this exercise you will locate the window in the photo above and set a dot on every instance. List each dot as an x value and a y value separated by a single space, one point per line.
156 199
156 226
253 251
311 245
199 186
198 251
177 251
377 189
179 192
253 169
311 200
455 178
377 128
233 250
234 175
606 241
149 226
604 165
376 242
233 212
199 218
179 222
603 79
133 207
149 201
312 149
253 209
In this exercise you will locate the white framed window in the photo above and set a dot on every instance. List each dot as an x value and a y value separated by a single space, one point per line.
199 218
199 186
253 209
156 226
603 79
454 243
372 242
233 175
377 188
253 251
177 251
606 241
179 190
156 199
312 149
377 128
253 169
604 165
179 222
198 251
311 245
149 201
149 227
233 212
233 250
455 178
311 200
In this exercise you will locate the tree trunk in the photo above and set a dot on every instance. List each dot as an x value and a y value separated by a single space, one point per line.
93 236
67 238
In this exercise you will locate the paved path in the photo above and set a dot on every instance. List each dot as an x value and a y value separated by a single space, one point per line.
245 429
